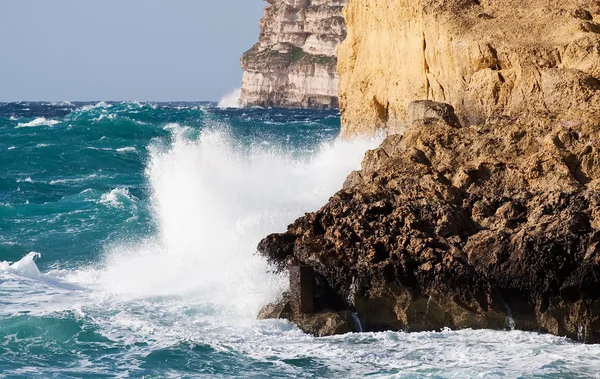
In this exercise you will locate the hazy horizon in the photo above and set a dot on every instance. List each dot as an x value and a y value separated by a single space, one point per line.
135 50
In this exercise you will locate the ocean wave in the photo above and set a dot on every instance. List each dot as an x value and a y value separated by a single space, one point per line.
127 149
117 198
26 180
101 104
109 116
40 121
62 104
73 180
26 267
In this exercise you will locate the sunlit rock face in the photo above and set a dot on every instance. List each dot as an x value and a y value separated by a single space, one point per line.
294 63
481 209
487 58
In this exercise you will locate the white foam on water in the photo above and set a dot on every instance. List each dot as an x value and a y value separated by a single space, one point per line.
117 198
231 99
26 267
62 103
101 104
127 149
213 199
40 121
74 180
198 281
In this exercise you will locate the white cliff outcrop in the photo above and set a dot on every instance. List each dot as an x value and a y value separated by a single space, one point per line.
294 63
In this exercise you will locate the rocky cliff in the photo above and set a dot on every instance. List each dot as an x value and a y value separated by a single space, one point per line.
486 58
294 62
480 213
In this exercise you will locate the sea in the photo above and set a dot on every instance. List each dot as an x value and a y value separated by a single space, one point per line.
128 236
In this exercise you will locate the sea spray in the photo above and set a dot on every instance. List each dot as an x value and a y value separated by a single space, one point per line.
213 199
231 99
122 298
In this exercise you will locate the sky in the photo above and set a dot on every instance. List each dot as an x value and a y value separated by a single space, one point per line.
145 50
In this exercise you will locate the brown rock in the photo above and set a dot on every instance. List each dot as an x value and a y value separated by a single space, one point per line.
320 324
409 250
495 224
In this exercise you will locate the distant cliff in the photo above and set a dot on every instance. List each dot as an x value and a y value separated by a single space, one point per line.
293 65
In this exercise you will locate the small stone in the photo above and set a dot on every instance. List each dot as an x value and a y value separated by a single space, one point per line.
431 111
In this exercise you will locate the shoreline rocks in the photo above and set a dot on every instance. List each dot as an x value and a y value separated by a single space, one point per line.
493 226
481 209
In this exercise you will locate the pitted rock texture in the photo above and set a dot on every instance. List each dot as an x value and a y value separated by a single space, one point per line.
494 225
294 63
487 58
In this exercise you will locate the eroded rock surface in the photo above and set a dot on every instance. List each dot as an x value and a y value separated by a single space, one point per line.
485 58
294 62
483 212
491 226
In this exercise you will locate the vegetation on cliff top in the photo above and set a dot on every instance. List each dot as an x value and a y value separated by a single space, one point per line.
259 58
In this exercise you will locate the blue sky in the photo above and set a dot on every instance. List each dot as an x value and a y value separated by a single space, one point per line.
142 50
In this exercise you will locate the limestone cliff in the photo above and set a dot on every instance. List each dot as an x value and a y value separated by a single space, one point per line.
480 213
484 57
294 62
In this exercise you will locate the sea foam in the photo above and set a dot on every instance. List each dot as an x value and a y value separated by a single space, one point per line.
213 199
40 121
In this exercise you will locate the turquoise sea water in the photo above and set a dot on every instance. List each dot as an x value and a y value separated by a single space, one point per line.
127 249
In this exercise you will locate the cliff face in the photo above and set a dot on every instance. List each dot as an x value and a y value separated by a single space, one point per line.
486 58
294 62
481 215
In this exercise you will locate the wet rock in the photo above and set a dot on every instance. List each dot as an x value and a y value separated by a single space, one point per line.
515 245
319 324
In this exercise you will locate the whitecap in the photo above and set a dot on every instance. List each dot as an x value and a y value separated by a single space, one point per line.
40 121
108 116
26 267
62 104
128 149
101 104
117 198
26 180
73 180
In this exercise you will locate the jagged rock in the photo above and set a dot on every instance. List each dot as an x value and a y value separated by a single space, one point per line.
468 227
320 324
495 224
294 62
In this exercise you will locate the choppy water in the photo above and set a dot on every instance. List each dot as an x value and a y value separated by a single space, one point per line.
146 217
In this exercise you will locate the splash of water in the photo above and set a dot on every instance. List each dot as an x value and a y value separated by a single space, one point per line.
231 99
213 199
26 267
